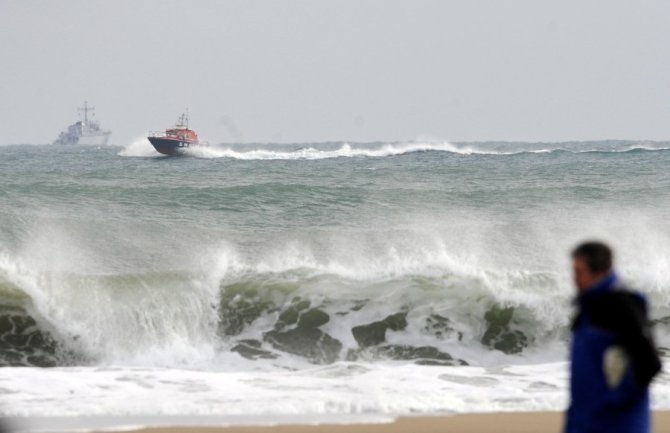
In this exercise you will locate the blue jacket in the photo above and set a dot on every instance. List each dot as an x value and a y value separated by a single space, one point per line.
622 406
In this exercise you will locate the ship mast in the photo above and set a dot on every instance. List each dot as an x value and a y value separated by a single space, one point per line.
183 120
85 110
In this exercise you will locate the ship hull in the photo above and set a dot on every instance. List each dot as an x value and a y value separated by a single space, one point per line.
94 139
91 139
168 146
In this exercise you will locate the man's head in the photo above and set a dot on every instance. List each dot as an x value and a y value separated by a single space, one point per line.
591 262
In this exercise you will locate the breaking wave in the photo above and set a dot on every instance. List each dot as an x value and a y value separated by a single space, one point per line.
280 311
288 306
346 150
250 152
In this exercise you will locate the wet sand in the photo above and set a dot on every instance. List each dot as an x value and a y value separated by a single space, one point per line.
531 422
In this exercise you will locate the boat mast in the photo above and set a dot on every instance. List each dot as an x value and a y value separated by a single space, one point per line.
183 120
85 110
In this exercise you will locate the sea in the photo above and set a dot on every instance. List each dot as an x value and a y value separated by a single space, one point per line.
312 282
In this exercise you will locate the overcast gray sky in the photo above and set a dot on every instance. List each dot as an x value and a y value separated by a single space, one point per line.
361 70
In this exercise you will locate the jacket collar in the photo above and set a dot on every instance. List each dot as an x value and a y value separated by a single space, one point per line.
606 284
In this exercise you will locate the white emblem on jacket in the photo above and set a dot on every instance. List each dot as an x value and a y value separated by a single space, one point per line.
615 363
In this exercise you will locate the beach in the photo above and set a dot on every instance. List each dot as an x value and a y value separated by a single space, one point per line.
520 422
493 422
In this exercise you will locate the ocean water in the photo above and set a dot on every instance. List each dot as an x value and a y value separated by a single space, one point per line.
326 279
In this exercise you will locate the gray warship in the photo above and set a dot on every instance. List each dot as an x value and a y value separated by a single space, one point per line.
84 132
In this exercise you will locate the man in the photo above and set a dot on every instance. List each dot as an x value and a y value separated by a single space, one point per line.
613 355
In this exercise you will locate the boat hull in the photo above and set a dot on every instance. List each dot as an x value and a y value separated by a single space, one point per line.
85 139
99 139
168 146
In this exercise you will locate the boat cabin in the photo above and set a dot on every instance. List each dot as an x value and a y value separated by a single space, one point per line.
183 134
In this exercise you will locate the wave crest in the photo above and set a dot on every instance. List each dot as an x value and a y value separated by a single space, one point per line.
346 150
318 151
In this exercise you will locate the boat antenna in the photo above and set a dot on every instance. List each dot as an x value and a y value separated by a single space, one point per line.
85 110
183 119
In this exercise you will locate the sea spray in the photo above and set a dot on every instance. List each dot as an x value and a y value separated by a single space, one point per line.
139 147
346 150
403 306
274 152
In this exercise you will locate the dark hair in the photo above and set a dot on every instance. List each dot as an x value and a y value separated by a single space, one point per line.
596 255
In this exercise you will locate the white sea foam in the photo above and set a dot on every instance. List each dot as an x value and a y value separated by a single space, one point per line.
338 389
346 150
139 147
317 151
343 388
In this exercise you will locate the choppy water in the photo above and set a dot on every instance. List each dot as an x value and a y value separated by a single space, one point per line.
279 265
